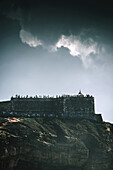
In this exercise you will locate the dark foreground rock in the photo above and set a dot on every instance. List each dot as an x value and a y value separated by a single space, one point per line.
46 144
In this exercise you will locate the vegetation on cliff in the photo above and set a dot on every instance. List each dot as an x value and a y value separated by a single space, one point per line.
41 144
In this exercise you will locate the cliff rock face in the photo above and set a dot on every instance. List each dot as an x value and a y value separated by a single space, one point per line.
44 144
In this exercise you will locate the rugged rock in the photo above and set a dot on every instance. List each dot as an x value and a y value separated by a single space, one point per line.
44 144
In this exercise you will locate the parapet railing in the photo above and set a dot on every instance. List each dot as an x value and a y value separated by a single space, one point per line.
46 97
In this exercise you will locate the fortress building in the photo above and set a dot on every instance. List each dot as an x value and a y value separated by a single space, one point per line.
65 106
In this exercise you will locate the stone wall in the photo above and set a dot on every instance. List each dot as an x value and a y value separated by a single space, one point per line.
78 105
64 106
38 105
5 106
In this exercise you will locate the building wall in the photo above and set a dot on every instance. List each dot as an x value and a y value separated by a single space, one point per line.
79 105
38 105
64 106
61 105
5 106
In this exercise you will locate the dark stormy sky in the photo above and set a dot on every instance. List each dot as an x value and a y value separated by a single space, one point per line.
56 47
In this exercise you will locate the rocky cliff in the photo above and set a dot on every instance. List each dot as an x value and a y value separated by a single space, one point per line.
44 144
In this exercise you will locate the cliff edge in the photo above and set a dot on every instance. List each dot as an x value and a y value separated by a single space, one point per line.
44 144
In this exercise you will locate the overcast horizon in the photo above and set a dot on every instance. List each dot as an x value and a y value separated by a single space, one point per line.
55 48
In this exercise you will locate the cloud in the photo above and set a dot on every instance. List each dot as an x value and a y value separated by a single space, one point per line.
86 50
29 39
